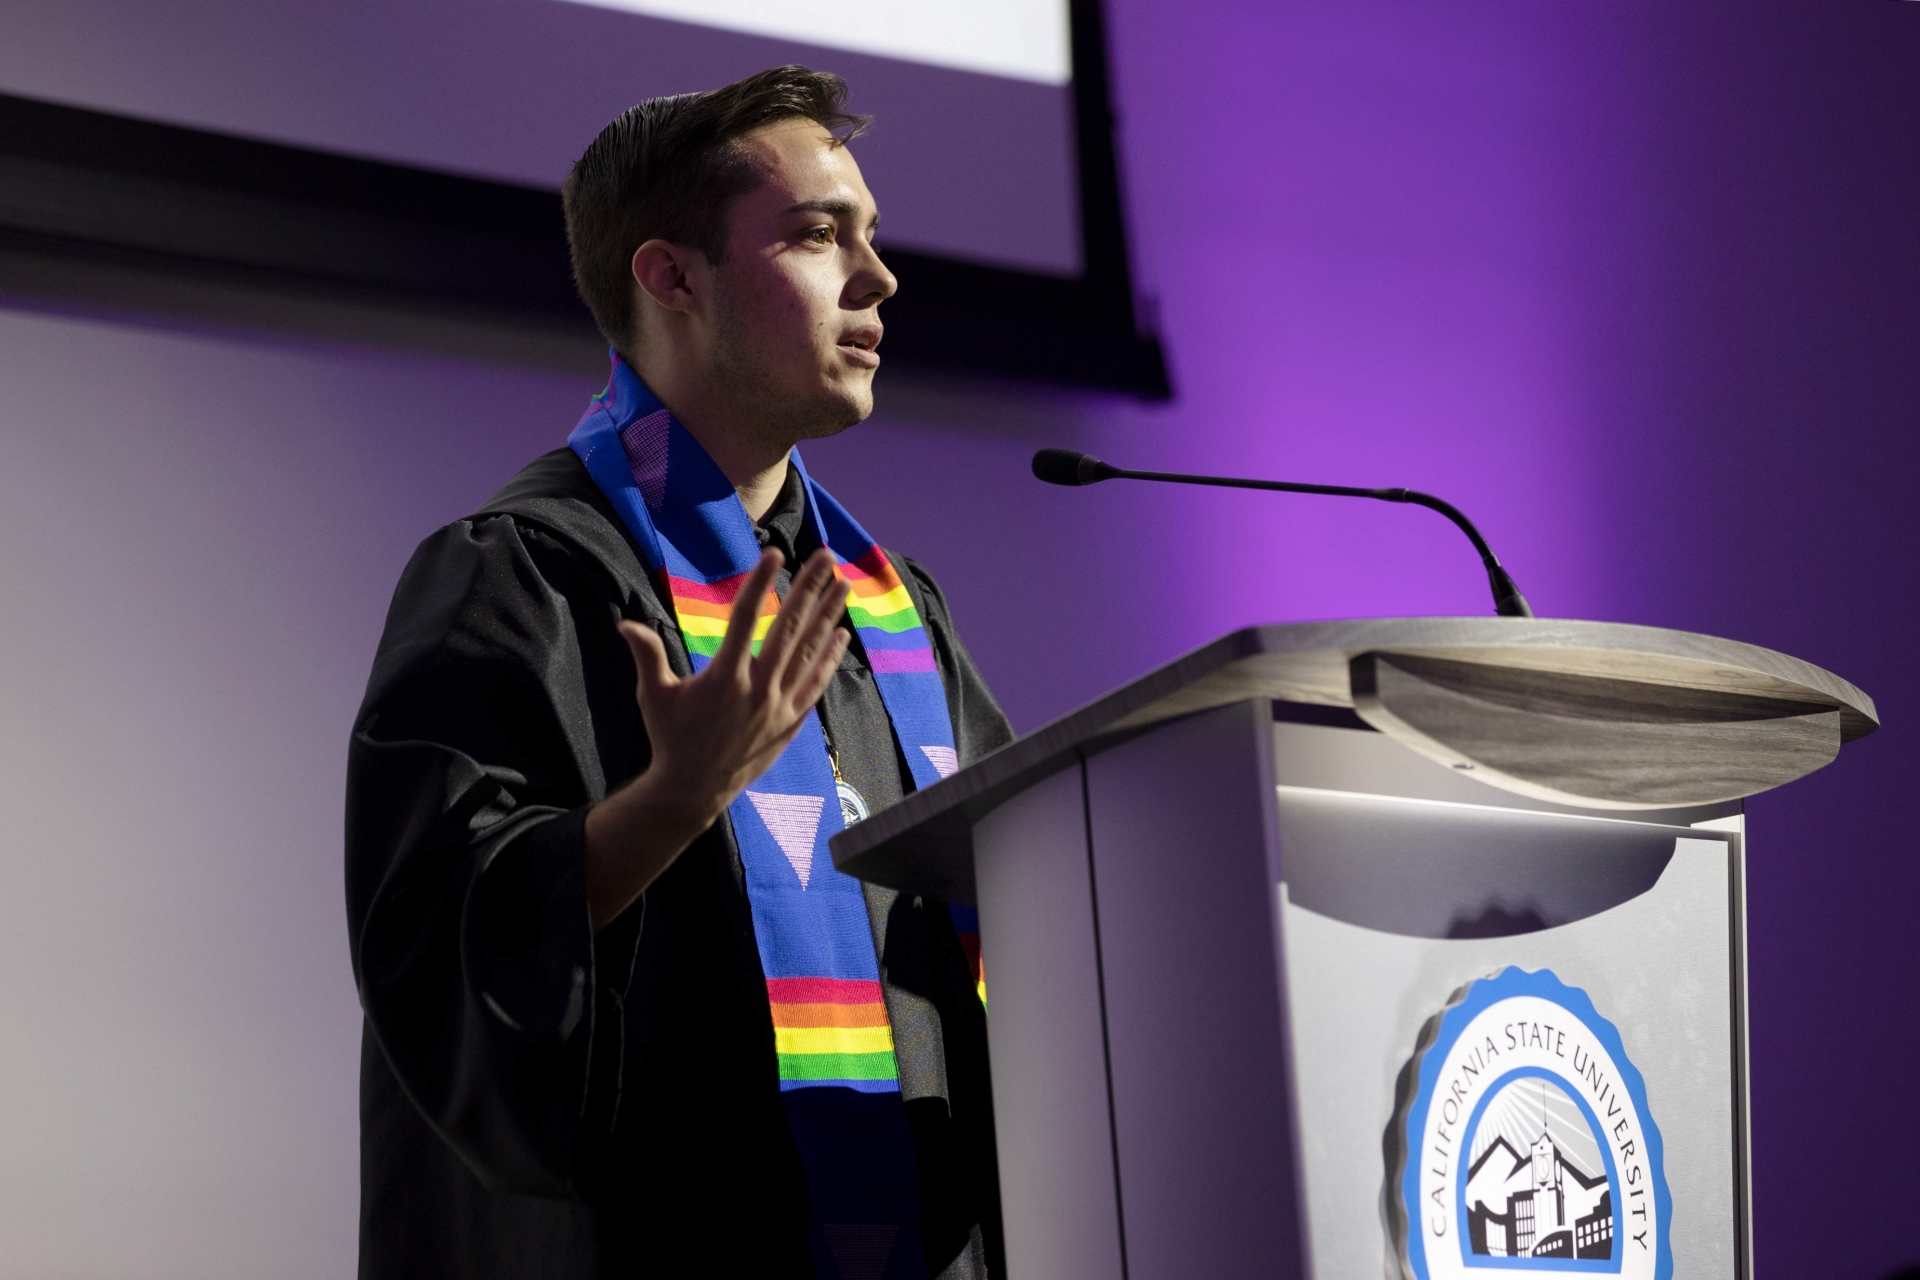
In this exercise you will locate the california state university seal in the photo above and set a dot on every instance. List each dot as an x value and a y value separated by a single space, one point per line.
1522 1142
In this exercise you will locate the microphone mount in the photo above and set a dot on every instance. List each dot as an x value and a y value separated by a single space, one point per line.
1068 467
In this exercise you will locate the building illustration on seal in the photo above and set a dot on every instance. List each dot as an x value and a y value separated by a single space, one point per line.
1536 1186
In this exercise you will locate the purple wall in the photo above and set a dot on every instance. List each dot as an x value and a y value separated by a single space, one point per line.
1641 284
1634 284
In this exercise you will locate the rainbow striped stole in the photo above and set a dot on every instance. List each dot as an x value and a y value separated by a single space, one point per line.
810 923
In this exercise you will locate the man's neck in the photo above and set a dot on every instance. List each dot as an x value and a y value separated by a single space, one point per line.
759 494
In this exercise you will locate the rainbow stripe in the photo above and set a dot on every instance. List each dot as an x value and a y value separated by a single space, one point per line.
878 606
702 609
879 598
832 1031
881 610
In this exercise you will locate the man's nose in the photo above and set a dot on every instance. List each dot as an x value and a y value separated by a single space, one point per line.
874 283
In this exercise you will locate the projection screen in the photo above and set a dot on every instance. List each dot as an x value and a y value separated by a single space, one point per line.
972 155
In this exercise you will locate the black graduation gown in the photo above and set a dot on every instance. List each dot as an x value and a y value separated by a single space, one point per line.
536 1100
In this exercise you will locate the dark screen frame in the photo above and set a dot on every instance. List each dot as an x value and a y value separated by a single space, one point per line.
119 190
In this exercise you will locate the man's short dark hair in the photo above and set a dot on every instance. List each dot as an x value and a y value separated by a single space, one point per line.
669 168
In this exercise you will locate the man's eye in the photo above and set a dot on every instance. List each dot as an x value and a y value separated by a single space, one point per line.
820 235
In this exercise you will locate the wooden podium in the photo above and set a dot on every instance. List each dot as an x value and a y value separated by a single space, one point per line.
1407 947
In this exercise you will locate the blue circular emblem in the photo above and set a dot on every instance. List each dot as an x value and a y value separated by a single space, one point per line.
853 805
1523 1142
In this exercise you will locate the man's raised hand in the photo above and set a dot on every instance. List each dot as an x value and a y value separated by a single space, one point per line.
715 732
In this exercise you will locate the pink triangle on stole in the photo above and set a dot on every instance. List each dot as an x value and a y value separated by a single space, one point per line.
944 759
794 821
645 444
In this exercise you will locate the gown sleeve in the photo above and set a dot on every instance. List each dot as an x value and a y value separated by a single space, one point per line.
470 770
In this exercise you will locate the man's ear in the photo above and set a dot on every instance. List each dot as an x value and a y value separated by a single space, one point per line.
668 273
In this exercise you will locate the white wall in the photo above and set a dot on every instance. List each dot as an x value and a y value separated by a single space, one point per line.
197 541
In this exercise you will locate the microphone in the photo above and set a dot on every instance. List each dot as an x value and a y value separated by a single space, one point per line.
1068 467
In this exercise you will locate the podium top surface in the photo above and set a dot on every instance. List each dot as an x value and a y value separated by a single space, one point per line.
1455 689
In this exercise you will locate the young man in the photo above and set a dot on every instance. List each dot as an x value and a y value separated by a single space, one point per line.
623 1016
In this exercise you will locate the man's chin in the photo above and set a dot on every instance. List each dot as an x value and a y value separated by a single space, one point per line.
843 404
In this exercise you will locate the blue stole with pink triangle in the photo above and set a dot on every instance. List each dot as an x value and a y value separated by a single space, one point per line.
834 1047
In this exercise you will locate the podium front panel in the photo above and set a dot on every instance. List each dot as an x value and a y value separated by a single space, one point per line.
1281 998
1615 940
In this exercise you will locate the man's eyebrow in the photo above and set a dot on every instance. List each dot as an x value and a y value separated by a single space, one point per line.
833 207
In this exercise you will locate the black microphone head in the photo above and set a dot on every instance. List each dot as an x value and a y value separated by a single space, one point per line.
1068 466
1057 466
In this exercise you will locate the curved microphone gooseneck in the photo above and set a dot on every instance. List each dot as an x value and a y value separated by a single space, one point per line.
1065 466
